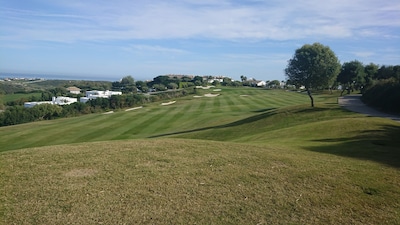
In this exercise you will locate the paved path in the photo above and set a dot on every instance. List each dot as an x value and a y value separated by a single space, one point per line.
354 103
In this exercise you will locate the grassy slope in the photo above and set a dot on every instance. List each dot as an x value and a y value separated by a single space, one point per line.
13 97
256 160
187 113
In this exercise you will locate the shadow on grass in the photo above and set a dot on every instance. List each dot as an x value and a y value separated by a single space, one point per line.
263 110
265 113
382 146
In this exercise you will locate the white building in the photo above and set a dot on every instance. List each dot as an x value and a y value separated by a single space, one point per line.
54 101
63 100
98 94
31 104
261 83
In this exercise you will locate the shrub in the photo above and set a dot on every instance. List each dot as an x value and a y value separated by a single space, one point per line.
384 95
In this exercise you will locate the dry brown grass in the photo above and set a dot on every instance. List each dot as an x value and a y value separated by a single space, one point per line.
174 181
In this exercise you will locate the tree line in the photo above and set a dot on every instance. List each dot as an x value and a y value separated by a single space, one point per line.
380 85
317 67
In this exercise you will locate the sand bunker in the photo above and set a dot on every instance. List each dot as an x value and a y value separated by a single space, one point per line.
108 112
211 95
168 103
134 108
204 88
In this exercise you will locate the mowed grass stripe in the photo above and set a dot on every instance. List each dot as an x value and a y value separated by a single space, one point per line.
110 127
203 105
257 96
60 130
144 119
281 98
186 114
244 91
175 118
249 102
230 102
73 132
216 104
159 121
180 117
291 99
148 124
273 101
97 128
200 116
124 130
255 102
207 105
121 129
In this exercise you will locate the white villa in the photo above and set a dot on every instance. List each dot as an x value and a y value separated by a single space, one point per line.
261 83
98 94
54 101
67 100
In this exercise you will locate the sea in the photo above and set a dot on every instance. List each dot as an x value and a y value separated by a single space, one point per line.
111 78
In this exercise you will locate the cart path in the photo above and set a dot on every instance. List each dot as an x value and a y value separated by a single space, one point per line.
354 103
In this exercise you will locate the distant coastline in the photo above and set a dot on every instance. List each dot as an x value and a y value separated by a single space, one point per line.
58 77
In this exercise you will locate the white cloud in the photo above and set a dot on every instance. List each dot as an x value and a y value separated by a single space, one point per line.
364 54
154 48
231 37
274 20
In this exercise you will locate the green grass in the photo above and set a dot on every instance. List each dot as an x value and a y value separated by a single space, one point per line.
14 97
248 156
154 119
176 181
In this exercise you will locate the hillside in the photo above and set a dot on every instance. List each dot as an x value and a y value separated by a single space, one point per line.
246 156
187 113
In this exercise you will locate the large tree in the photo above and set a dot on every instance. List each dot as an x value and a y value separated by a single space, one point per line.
313 66
370 72
128 84
351 75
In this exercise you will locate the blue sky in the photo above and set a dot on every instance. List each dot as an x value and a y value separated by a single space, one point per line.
255 38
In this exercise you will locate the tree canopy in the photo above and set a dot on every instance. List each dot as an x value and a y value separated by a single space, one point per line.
350 74
313 66
126 85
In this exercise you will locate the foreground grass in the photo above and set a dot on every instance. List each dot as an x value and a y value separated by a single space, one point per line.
175 181
233 159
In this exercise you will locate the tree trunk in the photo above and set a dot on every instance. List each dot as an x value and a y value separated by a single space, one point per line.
311 97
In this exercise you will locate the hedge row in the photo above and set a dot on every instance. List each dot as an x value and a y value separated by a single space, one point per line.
384 95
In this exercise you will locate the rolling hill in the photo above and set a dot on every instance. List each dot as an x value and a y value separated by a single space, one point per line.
246 156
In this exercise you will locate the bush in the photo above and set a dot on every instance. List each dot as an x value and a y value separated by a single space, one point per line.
384 95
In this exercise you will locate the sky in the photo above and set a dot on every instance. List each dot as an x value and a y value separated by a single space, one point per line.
104 39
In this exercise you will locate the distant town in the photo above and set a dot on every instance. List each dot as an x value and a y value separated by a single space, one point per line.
20 79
